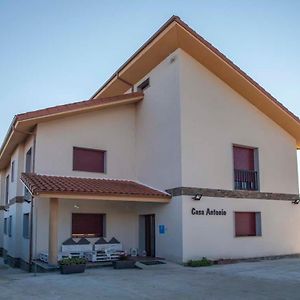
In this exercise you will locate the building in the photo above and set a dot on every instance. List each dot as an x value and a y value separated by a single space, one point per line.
179 153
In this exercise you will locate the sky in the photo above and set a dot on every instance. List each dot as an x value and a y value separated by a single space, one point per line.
55 52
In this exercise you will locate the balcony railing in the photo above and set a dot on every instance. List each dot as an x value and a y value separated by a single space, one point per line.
246 180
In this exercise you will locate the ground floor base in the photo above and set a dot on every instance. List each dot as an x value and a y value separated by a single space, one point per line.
178 231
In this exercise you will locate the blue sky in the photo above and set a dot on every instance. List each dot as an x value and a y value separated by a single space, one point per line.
54 52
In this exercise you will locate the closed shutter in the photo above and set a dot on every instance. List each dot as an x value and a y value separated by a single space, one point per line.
243 158
89 160
87 224
245 224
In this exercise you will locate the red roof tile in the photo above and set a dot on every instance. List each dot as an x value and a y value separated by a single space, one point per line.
44 184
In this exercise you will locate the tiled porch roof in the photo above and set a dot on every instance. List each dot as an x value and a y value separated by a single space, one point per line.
60 185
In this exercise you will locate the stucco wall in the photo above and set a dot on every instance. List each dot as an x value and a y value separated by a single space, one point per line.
121 221
158 127
168 244
111 129
16 245
213 118
12 244
213 236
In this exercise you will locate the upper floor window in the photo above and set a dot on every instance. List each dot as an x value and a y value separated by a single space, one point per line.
28 161
6 189
245 168
12 171
143 85
89 160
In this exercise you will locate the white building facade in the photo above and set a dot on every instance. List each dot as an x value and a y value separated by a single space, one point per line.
217 153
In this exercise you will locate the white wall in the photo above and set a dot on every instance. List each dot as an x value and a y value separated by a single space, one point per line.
16 245
1 211
213 118
12 244
111 129
158 127
214 236
168 245
121 220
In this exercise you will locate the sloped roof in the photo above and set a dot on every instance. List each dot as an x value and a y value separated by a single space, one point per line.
176 34
60 186
23 124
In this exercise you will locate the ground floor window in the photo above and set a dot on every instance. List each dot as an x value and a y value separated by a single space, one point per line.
9 226
26 226
88 225
247 224
5 226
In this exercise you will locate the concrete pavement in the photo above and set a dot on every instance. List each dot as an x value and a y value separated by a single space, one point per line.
279 279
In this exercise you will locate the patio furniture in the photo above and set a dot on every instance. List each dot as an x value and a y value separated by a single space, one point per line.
76 249
43 256
105 251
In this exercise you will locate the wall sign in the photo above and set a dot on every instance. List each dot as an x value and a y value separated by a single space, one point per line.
208 212
162 229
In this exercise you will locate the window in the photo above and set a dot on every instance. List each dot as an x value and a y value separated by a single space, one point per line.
5 226
90 225
143 85
9 226
247 224
89 160
28 161
26 226
245 168
6 189
13 171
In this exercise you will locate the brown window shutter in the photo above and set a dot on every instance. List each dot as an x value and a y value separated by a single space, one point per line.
87 225
245 223
243 158
89 160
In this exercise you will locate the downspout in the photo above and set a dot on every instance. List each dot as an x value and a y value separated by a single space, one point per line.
31 210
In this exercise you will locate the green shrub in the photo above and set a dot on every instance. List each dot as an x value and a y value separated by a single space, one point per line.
72 261
204 262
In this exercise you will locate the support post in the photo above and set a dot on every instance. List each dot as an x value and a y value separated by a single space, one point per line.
53 227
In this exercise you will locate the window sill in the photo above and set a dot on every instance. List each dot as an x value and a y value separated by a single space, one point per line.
245 236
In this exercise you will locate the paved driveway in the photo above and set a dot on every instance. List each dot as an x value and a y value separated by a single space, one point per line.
278 279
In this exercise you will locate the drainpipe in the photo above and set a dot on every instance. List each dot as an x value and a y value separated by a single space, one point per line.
31 211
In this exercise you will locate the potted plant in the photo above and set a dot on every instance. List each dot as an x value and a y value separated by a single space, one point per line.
124 263
72 265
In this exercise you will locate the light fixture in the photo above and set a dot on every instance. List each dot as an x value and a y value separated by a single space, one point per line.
197 197
76 206
296 201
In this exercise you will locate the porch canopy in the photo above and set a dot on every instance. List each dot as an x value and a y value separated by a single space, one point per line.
60 187
45 186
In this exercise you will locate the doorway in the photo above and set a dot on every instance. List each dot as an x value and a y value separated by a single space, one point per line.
147 234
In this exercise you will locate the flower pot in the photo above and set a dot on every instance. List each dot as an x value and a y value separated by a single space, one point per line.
70 269
124 264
